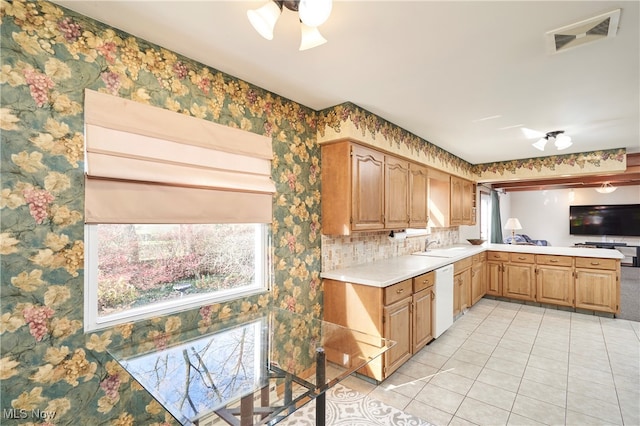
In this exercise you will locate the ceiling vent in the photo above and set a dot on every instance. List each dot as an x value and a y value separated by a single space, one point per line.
583 32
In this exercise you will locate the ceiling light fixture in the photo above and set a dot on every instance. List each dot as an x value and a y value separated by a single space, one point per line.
560 140
312 14
606 188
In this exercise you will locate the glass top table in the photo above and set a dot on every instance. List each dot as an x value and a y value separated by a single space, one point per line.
253 368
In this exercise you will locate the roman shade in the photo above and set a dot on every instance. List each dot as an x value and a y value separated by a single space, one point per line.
145 164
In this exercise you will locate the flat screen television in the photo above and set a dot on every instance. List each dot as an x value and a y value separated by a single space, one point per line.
611 219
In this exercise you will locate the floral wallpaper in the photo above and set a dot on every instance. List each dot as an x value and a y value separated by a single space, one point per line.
49 56
351 121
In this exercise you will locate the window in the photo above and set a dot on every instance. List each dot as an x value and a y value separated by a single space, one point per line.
138 271
176 211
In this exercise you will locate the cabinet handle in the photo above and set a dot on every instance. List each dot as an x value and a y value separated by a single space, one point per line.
595 263
521 258
554 261
400 291
425 282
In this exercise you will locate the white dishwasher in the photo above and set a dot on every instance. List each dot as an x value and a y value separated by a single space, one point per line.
443 310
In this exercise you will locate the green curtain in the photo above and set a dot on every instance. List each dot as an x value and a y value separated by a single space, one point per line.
496 222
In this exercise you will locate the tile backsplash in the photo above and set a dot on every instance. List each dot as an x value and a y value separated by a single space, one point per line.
344 251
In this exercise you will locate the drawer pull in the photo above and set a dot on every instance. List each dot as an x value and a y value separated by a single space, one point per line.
595 263
554 261
425 282
521 258
400 291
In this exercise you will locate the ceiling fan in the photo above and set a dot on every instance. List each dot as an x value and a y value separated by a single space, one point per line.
559 139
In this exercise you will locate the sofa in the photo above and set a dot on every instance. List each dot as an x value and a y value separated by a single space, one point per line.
524 240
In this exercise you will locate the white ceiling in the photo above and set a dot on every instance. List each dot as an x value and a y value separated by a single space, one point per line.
438 69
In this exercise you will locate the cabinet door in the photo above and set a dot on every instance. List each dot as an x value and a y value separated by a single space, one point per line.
439 198
555 285
418 196
367 186
396 193
456 201
477 282
422 333
468 203
494 278
597 290
397 327
518 281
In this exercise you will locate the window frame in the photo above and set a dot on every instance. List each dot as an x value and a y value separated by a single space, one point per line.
93 321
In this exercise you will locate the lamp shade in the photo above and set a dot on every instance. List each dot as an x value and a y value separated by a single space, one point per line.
540 144
310 37
264 19
563 142
512 224
314 12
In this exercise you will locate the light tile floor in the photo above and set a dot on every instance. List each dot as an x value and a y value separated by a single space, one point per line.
511 364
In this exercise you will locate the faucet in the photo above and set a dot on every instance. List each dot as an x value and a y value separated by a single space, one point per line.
427 243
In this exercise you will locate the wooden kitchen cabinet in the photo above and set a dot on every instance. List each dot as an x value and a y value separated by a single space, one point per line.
597 284
495 267
518 281
554 280
422 310
396 193
439 198
478 277
462 202
396 312
461 285
418 196
353 188
456 201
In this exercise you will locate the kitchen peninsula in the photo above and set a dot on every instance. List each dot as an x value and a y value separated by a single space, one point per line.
393 298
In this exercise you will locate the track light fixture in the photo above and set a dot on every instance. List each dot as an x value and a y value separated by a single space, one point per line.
312 14
561 141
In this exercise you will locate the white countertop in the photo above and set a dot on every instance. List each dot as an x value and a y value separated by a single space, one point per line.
383 273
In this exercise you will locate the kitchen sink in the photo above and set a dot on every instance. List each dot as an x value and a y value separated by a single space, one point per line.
443 252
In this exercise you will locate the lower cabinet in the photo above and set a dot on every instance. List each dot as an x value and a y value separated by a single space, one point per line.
597 284
518 281
400 312
554 280
495 267
478 277
461 285
397 327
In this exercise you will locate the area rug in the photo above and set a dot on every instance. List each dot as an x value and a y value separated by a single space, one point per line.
346 407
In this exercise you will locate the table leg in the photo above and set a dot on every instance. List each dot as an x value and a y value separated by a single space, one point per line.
320 381
246 410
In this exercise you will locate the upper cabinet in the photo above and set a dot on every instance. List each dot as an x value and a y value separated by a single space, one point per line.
396 176
463 194
364 189
418 196
439 198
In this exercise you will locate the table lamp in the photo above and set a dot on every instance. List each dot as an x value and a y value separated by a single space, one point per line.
512 224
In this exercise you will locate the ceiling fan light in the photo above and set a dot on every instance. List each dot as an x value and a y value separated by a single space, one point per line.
563 142
264 19
540 144
606 188
314 12
311 37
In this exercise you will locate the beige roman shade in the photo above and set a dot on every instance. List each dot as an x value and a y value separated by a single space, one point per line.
145 164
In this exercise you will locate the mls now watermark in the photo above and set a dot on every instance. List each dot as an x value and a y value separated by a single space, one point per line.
20 414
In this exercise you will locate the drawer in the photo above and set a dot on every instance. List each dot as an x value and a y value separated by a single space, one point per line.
461 265
424 281
522 257
498 255
596 263
480 257
545 259
398 291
